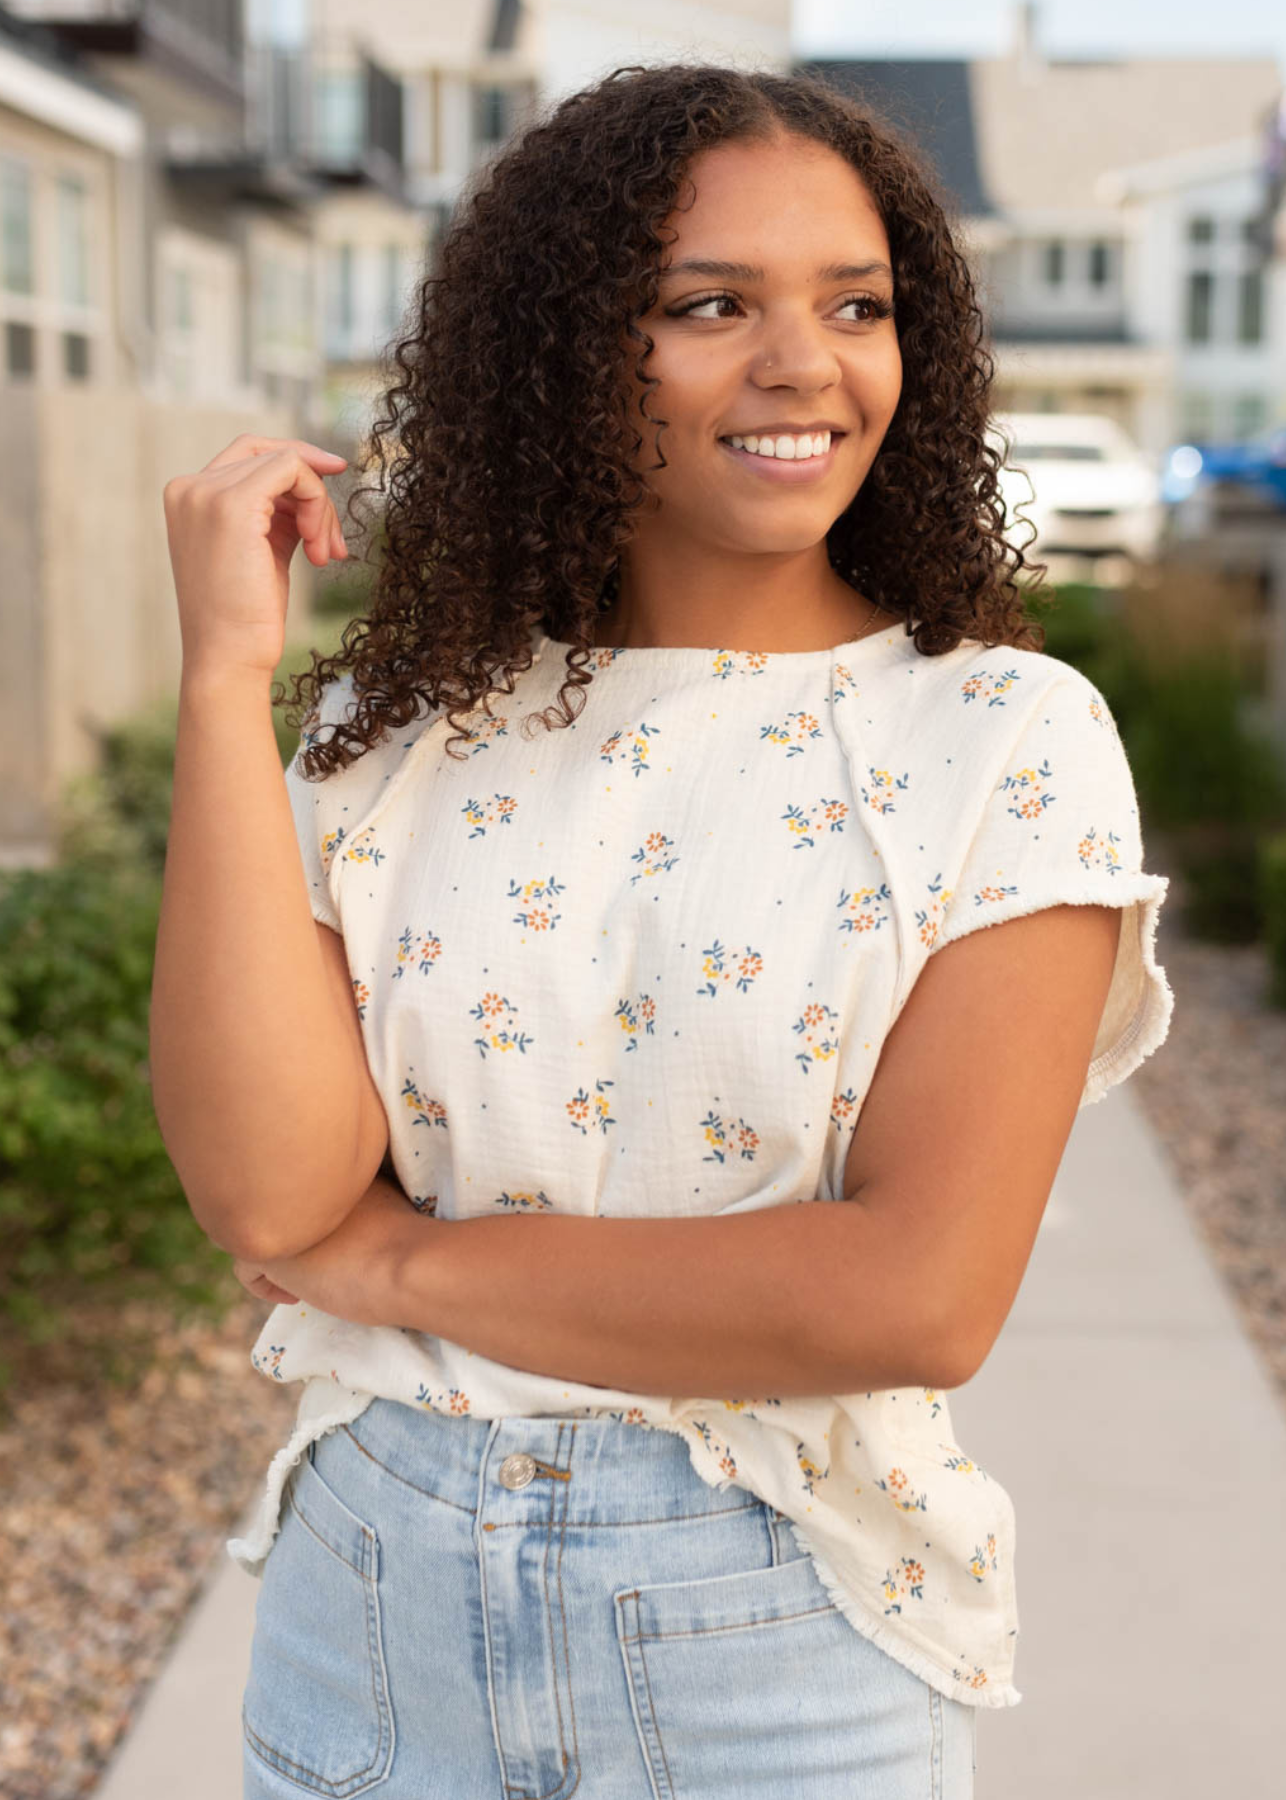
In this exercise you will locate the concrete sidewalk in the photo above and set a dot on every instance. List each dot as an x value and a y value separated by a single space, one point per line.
1126 1413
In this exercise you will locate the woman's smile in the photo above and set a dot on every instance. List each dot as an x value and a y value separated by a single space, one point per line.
787 469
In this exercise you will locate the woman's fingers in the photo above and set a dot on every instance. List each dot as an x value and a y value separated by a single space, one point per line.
249 444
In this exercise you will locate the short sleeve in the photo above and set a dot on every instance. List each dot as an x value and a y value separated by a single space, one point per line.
307 802
1061 826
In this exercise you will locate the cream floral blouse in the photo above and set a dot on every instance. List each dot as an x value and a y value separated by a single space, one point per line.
645 965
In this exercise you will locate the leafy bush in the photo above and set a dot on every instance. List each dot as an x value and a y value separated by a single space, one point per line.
1272 890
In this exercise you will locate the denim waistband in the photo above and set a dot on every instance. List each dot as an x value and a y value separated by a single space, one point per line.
600 1470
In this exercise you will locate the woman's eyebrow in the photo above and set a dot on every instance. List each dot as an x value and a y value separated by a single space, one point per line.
736 271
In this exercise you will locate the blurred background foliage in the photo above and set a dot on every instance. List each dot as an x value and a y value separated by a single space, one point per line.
91 1211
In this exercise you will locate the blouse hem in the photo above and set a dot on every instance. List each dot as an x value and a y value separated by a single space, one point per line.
887 1638
251 1552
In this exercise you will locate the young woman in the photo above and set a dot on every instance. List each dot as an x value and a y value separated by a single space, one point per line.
624 901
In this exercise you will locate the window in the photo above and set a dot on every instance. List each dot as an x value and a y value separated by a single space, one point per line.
1250 310
339 117
19 349
491 114
75 356
17 258
1200 305
1054 262
1201 230
1100 265
73 241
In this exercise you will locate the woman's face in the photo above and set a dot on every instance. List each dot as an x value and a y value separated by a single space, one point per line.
788 338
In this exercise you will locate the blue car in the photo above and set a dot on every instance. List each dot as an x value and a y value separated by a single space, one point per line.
1259 464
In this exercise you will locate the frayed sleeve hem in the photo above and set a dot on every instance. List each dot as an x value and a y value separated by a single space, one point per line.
1140 1003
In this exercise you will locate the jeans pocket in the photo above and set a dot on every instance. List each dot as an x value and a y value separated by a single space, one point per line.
316 1707
757 1681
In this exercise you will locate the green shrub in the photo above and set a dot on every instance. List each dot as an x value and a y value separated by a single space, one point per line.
1272 891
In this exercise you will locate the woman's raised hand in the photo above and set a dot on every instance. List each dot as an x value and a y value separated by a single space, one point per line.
233 529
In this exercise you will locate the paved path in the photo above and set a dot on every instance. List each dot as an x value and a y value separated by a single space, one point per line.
1128 1416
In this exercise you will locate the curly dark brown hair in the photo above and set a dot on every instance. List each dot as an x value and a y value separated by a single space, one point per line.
506 444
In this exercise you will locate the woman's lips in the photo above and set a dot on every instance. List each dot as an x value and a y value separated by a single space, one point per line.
785 468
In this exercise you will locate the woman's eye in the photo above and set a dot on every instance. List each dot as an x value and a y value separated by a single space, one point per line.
877 308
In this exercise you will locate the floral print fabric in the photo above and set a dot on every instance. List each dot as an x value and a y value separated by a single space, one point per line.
645 965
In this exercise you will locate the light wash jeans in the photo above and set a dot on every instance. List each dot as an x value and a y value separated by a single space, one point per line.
526 1608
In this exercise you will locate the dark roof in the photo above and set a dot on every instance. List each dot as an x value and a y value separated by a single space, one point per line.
932 102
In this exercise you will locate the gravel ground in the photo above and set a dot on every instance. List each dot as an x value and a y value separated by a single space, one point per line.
116 1497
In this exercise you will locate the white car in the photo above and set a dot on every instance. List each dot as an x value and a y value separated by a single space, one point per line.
1083 482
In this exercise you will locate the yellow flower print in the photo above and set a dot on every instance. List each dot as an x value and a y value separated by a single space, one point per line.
991 688
534 915
907 1582
364 849
795 733
1032 796
454 1400
865 909
427 1112
819 1028
717 1132
902 1494
801 825
496 725
498 811
1095 854
738 662
500 1018
718 967
629 1017
583 1111
652 855
616 749
879 796
520 1202
422 951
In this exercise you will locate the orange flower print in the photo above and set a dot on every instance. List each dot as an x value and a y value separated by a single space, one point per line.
361 994
632 746
879 796
1028 787
717 1447
929 919
416 952
584 1112
427 1112
1097 855
499 1018
270 1364
865 909
906 1582
633 1415
726 1138
535 915
652 855
499 810
990 895
822 814
843 1106
902 1494
520 1202
798 729
991 688
977 1679
632 1016
818 1026
454 1400
718 967
843 682
490 728
424 1203
738 662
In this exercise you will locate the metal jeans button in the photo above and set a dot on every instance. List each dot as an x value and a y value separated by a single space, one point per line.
517 1470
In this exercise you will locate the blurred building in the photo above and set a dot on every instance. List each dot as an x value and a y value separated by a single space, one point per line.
1120 219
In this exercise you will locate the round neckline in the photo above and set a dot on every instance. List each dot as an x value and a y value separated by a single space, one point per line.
889 634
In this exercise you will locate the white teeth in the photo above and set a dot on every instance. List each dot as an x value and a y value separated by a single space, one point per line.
788 448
